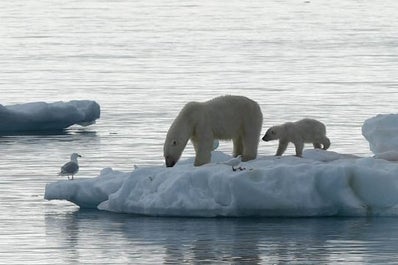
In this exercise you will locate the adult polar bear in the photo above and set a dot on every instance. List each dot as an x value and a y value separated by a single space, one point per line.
225 118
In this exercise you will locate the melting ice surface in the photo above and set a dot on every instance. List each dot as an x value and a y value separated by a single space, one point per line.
322 183
42 116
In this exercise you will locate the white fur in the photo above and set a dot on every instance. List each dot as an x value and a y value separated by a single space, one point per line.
298 133
225 118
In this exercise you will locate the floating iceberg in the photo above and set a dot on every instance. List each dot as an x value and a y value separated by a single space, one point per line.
322 183
381 132
41 116
89 192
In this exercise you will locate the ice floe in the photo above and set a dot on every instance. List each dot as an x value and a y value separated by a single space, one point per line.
322 183
42 116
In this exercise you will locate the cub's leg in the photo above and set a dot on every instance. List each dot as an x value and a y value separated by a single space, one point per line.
299 148
281 148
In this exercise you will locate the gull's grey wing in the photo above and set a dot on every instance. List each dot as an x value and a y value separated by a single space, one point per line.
69 168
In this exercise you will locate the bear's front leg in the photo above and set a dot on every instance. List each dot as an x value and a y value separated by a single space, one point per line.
250 145
203 147
202 157
238 146
281 147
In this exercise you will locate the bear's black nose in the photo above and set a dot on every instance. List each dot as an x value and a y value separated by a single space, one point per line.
265 138
170 163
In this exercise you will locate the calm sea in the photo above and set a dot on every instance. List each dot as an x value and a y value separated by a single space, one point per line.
141 61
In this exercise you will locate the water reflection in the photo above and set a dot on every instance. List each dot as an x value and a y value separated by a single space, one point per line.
66 133
38 133
223 240
28 144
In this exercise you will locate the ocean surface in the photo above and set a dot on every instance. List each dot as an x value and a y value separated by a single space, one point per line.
142 61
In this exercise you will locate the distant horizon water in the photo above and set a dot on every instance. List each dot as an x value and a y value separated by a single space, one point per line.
142 61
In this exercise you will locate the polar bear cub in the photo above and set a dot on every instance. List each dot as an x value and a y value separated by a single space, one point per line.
235 118
299 132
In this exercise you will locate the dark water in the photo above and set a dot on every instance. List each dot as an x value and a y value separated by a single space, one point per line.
141 61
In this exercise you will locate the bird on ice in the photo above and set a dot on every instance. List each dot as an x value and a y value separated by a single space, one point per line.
70 168
234 162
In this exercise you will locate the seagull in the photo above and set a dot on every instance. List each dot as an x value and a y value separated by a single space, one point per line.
70 168
234 162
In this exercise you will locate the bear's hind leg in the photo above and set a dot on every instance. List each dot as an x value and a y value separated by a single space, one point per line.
299 148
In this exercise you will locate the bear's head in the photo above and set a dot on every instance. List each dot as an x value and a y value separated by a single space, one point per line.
178 134
271 134
172 150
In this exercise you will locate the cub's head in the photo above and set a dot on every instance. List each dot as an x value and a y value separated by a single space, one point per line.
172 150
272 134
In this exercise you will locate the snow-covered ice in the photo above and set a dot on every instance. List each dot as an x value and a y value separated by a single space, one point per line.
322 183
42 116
88 192
381 132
